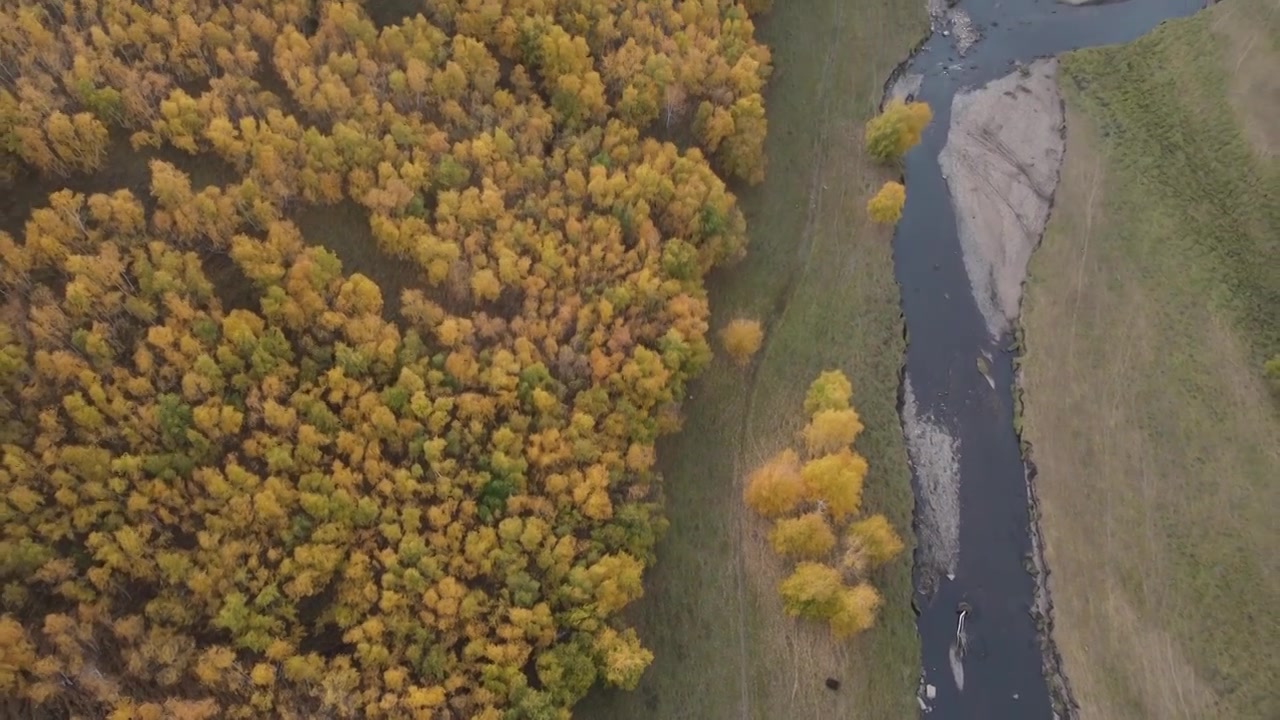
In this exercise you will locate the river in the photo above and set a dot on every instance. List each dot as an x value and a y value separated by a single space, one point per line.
1001 672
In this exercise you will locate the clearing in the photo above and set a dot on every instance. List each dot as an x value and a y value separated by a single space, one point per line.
820 275
1152 303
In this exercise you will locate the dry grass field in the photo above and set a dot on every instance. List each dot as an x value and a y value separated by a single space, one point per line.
1152 303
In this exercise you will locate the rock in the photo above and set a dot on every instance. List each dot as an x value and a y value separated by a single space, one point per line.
930 691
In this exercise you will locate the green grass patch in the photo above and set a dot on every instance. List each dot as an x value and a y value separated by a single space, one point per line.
1161 105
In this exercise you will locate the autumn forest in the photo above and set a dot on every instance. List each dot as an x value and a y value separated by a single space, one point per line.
241 482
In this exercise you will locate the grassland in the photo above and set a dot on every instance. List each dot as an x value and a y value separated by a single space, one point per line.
821 276
1152 303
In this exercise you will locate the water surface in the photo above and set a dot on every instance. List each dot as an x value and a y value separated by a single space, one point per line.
1002 669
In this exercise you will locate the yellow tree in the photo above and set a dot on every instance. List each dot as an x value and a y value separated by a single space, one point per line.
808 536
741 339
830 391
812 591
485 285
832 430
893 132
80 140
622 656
836 481
776 487
855 610
872 543
886 205
742 152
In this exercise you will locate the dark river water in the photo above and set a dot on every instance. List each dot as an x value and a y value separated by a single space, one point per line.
1002 667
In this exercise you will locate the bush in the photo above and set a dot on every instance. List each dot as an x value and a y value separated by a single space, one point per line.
855 611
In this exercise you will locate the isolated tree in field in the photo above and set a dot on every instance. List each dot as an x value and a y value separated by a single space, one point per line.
832 430
830 391
741 339
808 536
872 542
836 481
812 591
886 205
776 487
893 132
855 610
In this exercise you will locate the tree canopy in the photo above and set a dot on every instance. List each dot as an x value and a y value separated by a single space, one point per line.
239 484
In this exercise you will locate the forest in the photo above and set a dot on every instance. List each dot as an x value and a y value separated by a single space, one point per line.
240 483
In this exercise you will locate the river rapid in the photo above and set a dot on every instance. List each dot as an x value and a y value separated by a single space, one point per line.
974 515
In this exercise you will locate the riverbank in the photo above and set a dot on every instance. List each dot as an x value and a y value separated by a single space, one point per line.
1150 306
819 275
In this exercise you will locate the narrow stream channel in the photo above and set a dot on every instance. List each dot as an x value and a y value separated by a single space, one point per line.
999 673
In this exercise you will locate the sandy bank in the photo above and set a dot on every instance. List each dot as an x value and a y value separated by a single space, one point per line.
1001 161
